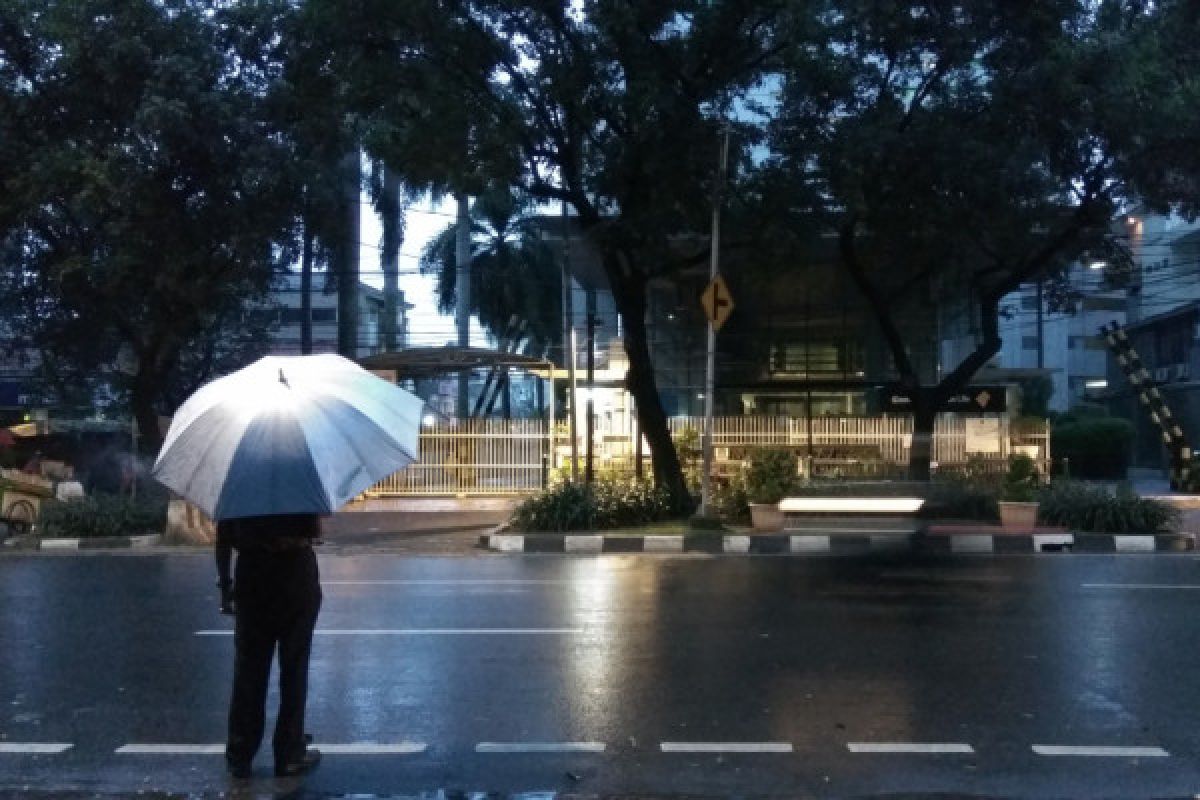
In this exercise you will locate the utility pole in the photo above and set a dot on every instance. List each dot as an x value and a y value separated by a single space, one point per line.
711 360
462 294
348 264
569 340
589 469
1041 346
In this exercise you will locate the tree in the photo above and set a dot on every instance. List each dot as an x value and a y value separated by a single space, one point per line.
143 180
964 148
616 109
514 274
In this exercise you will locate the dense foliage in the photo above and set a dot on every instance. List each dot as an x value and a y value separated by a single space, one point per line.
1082 507
1021 480
603 505
145 195
1090 446
770 475
103 515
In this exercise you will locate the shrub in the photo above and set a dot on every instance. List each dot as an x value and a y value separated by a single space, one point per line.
609 503
1096 446
730 501
1092 509
102 515
958 499
1021 481
771 475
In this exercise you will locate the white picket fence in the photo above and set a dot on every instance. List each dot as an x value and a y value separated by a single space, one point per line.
476 456
492 457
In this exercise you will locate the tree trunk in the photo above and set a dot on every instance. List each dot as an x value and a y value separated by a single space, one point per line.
920 454
347 268
147 388
462 295
629 293
392 216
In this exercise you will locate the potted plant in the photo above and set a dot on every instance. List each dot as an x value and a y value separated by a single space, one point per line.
1018 495
771 475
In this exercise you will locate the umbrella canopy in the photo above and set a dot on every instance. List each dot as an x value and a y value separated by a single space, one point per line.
288 435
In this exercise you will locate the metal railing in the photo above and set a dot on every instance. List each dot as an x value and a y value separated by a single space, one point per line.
497 457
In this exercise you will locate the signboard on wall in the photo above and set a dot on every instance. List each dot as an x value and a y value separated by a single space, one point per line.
983 435
894 398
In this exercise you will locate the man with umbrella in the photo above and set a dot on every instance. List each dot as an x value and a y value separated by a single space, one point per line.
266 451
276 595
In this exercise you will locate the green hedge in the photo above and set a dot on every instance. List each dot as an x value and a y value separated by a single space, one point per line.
604 505
1093 509
102 515
1097 447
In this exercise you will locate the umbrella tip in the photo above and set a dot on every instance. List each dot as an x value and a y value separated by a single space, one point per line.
283 378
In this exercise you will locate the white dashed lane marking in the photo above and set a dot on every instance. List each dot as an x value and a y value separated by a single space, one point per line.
1108 752
427 632
909 747
464 582
726 747
354 748
372 749
171 749
539 747
1178 586
37 748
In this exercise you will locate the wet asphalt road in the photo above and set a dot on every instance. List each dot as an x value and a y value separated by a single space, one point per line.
460 666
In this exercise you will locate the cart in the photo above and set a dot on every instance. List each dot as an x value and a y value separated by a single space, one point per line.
21 498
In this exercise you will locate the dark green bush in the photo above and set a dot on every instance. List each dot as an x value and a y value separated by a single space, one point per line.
1093 509
771 475
1095 446
730 501
1021 481
959 499
604 505
102 515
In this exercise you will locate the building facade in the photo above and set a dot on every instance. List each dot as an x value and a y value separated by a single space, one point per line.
285 311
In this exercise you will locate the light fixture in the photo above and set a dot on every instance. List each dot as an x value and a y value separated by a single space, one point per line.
428 420
1098 265
1100 383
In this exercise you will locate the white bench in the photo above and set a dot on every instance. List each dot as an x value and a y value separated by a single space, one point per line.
861 516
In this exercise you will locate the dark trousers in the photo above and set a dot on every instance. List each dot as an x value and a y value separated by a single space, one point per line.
277 596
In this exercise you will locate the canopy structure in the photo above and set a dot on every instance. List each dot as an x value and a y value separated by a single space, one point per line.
428 362
416 363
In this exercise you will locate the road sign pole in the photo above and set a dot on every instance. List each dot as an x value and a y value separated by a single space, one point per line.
711 349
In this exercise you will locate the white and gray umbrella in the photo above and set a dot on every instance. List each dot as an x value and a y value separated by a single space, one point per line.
288 435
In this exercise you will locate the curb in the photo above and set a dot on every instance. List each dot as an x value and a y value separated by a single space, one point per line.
89 543
837 544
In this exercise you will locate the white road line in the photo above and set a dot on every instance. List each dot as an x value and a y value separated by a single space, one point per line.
726 747
909 747
35 747
459 582
171 749
1118 752
372 749
355 748
427 632
1139 586
539 747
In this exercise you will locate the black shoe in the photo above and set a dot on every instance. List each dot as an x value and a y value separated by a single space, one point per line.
307 763
239 770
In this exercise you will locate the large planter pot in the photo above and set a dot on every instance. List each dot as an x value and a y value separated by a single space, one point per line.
766 517
1018 517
